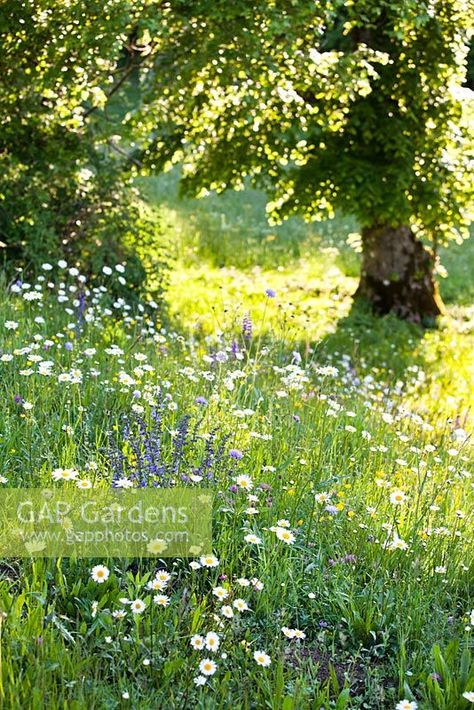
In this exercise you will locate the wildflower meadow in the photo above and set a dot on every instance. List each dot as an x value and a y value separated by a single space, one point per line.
340 573
283 372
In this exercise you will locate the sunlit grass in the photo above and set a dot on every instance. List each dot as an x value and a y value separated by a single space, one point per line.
226 255
334 411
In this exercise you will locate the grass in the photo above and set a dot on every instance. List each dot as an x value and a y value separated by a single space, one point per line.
333 410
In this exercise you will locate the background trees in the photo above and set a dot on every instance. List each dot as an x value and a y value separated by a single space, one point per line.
65 187
355 106
331 105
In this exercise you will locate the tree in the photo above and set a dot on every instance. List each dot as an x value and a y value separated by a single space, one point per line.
65 185
326 105
330 105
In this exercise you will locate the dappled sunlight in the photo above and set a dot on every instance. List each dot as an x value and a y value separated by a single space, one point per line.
236 355
309 302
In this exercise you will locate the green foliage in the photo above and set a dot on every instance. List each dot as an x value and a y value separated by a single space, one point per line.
65 187
334 104
371 615
453 675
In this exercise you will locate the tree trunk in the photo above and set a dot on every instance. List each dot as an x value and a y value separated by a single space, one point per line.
397 274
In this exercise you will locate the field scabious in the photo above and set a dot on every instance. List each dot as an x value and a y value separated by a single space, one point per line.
341 569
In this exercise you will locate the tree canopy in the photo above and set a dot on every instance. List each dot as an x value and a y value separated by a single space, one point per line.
356 106
328 105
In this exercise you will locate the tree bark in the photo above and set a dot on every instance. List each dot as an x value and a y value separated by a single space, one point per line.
397 274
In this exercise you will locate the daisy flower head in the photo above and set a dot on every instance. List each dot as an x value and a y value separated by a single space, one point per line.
64 474
285 535
397 497
253 539
197 642
262 658
163 576
241 605
100 573
244 481
157 585
200 680
119 614
298 634
398 544
227 611
161 599
212 641
220 592
207 667
209 561
137 606
469 696
406 705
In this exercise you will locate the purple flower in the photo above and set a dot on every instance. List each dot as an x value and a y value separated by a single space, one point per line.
270 293
296 418
201 400
233 488
236 454
247 327
69 346
18 399
331 509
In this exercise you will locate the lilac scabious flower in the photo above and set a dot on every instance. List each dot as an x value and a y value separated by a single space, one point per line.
270 293
69 346
201 400
247 327
236 454
331 509
18 399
